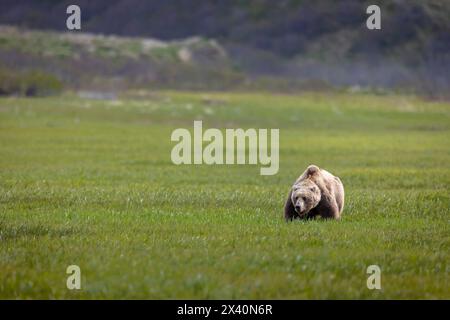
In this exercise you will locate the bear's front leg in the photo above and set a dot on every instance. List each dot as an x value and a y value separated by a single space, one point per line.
289 210
331 211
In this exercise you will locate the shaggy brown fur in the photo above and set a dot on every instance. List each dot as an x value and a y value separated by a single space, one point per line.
315 193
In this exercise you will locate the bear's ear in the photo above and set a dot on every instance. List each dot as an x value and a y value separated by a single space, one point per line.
312 170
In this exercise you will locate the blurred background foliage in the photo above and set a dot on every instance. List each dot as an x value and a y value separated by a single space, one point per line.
236 44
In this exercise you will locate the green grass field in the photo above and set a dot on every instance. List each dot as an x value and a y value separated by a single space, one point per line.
91 183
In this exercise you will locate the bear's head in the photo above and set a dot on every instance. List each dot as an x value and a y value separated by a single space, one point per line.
305 196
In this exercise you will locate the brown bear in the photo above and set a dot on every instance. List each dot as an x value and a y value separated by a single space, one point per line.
315 193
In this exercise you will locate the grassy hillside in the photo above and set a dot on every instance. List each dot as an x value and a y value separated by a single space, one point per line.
90 183
282 45
284 27
97 62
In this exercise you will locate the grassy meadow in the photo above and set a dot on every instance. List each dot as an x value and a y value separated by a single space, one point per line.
91 183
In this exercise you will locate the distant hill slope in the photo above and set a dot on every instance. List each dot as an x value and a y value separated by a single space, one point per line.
285 27
258 44
84 60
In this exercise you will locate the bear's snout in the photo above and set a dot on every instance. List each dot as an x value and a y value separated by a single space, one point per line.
300 208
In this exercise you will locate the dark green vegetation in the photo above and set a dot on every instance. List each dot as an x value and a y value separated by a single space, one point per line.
91 183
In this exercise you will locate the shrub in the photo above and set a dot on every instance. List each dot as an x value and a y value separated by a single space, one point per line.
9 82
30 83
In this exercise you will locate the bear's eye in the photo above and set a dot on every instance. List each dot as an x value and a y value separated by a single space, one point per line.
304 198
